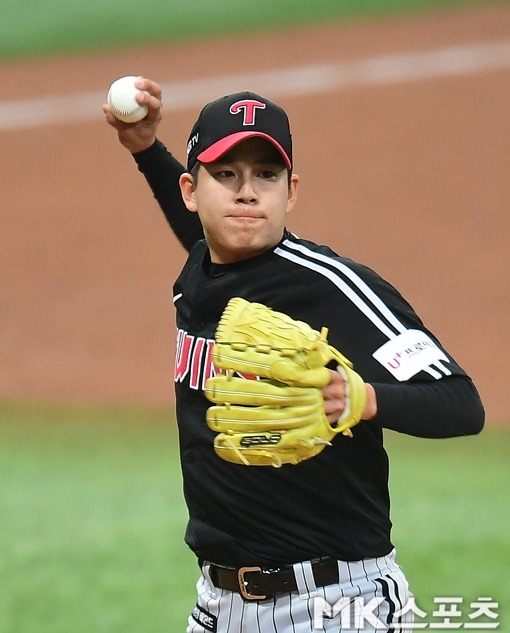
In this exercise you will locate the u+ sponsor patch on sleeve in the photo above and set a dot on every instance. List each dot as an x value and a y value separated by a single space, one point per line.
409 353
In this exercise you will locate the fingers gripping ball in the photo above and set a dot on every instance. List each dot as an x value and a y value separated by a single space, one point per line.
279 419
122 102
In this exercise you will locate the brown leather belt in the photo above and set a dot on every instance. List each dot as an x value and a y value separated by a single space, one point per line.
255 583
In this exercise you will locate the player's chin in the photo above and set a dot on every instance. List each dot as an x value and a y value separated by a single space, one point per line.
247 235
246 249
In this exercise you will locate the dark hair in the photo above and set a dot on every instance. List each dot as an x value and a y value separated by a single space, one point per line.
194 172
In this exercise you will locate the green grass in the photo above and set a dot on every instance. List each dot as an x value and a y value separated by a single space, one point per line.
451 511
92 520
35 27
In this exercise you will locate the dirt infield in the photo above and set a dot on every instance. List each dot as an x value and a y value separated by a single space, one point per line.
410 178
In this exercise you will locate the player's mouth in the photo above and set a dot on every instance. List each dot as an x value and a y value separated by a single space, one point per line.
248 215
244 219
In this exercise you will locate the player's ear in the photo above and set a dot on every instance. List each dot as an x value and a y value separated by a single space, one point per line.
293 189
187 185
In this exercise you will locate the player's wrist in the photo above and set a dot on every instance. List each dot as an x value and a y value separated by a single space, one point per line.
371 406
137 145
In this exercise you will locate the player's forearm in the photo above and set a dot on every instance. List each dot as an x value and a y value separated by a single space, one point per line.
162 171
444 408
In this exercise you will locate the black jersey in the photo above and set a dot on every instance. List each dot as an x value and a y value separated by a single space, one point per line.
337 503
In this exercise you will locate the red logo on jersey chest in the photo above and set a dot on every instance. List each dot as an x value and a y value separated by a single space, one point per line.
193 360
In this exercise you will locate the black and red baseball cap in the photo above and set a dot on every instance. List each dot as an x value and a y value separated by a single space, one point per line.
227 121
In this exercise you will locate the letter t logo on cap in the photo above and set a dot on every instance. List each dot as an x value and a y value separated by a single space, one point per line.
249 108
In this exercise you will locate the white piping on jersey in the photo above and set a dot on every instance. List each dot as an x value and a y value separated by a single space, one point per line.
356 299
440 365
177 297
365 289
339 283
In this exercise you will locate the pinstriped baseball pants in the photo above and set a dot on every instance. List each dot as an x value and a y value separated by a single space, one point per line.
371 596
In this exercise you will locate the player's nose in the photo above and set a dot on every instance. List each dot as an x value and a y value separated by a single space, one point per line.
247 192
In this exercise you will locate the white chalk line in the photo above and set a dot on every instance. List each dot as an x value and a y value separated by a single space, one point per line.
291 81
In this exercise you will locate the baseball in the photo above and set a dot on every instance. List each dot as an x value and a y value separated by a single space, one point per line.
122 102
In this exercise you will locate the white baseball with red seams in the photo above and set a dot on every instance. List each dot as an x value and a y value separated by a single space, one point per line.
122 102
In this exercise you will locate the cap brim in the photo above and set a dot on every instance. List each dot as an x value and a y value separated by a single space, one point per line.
221 147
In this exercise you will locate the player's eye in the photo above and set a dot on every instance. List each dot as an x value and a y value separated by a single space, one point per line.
267 174
224 173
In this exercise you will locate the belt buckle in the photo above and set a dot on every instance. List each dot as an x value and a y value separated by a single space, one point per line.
244 583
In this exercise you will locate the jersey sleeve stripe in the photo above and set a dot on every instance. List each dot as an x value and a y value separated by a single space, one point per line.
356 280
361 295
443 368
341 285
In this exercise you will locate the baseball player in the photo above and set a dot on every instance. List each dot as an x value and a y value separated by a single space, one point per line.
292 535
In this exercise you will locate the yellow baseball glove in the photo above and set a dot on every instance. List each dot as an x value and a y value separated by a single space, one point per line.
279 418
